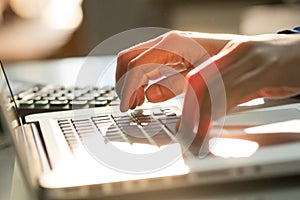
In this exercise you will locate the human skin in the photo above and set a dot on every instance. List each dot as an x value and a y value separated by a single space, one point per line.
249 67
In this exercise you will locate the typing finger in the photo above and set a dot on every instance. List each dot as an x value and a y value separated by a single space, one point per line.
143 68
127 55
167 88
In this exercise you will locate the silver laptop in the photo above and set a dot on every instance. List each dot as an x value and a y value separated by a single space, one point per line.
100 152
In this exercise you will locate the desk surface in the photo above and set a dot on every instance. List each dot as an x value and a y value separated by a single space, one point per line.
65 71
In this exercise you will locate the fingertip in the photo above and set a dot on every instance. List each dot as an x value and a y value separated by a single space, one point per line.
123 108
133 104
140 96
128 104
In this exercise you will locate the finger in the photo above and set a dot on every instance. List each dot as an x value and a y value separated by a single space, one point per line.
191 112
126 56
137 80
145 67
167 88
140 96
206 86
211 102
164 52
188 124
133 101
130 90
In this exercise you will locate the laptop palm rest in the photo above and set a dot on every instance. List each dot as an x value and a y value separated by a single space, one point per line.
260 117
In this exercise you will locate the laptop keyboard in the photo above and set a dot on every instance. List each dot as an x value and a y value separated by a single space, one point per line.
55 98
156 127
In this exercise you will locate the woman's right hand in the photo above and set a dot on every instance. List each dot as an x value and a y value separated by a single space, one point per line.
169 58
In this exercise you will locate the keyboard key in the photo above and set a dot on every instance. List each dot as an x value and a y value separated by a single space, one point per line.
115 102
58 103
62 98
107 88
25 94
141 113
41 103
26 103
110 131
104 98
37 98
99 120
157 113
50 98
124 119
66 129
171 127
77 103
92 94
169 120
84 98
100 91
70 96
63 121
161 138
133 131
93 104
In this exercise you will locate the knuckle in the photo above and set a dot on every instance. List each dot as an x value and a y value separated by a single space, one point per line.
245 45
248 45
171 35
190 77
194 77
120 58
131 65
122 54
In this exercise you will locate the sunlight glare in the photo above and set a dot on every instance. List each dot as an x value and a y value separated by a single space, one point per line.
254 102
235 148
291 126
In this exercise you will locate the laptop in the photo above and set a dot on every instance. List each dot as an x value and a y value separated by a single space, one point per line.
37 98
100 152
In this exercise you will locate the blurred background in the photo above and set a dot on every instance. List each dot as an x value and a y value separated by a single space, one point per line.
77 26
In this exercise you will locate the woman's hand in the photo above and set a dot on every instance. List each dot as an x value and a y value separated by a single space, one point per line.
246 68
168 58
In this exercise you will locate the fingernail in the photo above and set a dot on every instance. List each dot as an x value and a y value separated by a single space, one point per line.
123 107
126 105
